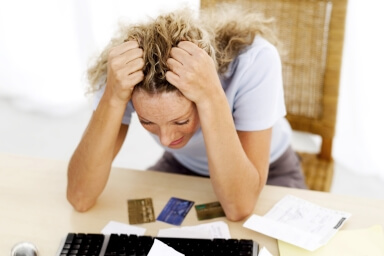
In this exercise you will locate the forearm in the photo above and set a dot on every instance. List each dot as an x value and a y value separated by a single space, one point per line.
91 162
237 171
89 167
235 179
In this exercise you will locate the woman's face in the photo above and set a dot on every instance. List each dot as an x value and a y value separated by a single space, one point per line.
169 115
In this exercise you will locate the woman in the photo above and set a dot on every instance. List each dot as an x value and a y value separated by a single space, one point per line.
210 92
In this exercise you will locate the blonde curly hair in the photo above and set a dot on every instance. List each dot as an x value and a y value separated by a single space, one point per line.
223 32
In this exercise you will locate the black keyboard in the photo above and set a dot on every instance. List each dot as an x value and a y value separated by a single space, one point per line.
133 245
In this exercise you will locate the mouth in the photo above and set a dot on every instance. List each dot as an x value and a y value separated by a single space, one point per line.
176 142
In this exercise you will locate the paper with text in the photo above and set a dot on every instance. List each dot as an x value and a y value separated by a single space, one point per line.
114 227
299 222
217 229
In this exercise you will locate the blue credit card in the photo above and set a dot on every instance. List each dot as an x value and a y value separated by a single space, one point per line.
175 211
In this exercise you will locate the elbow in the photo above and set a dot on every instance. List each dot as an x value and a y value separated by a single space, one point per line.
239 209
78 203
77 194
239 214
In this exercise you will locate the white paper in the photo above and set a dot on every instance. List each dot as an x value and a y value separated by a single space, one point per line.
264 252
161 249
299 222
218 229
114 227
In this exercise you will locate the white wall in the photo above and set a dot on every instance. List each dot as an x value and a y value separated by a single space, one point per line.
45 46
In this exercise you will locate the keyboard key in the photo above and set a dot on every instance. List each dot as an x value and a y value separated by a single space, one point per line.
82 245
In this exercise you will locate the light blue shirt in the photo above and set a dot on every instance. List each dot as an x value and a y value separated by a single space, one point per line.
254 89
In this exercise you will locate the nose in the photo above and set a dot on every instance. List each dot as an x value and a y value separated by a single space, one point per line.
165 136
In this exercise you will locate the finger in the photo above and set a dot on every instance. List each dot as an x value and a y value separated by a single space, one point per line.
127 81
134 79
174 65
172 78
137 64
189 47
122 74
134 53
180 55
128 56
124 47
133 66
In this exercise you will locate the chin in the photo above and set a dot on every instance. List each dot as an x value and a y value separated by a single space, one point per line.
178 146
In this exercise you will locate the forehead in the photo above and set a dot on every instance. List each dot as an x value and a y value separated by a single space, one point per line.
164 105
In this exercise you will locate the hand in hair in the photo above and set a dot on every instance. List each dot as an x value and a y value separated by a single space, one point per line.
125 70
193 72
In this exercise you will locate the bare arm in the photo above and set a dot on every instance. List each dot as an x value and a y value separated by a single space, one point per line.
238 161
90 165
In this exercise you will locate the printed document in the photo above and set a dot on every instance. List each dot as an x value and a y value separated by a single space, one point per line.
299 222
211 230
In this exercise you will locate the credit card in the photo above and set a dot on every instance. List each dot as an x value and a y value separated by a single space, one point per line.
175 211
140 211
209 211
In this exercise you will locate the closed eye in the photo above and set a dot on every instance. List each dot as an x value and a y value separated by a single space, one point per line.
182 122
145 122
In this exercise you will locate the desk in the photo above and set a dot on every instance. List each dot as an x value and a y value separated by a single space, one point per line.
33 205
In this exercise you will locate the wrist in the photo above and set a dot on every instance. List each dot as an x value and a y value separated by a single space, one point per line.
113 100
216 100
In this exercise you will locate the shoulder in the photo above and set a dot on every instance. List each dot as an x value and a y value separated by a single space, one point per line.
259 49
259 55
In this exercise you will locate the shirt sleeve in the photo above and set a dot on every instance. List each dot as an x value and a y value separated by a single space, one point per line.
259 100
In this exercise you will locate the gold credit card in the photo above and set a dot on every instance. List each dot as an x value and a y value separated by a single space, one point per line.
209 211
140 211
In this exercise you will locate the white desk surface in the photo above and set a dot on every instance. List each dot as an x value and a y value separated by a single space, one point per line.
33 205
